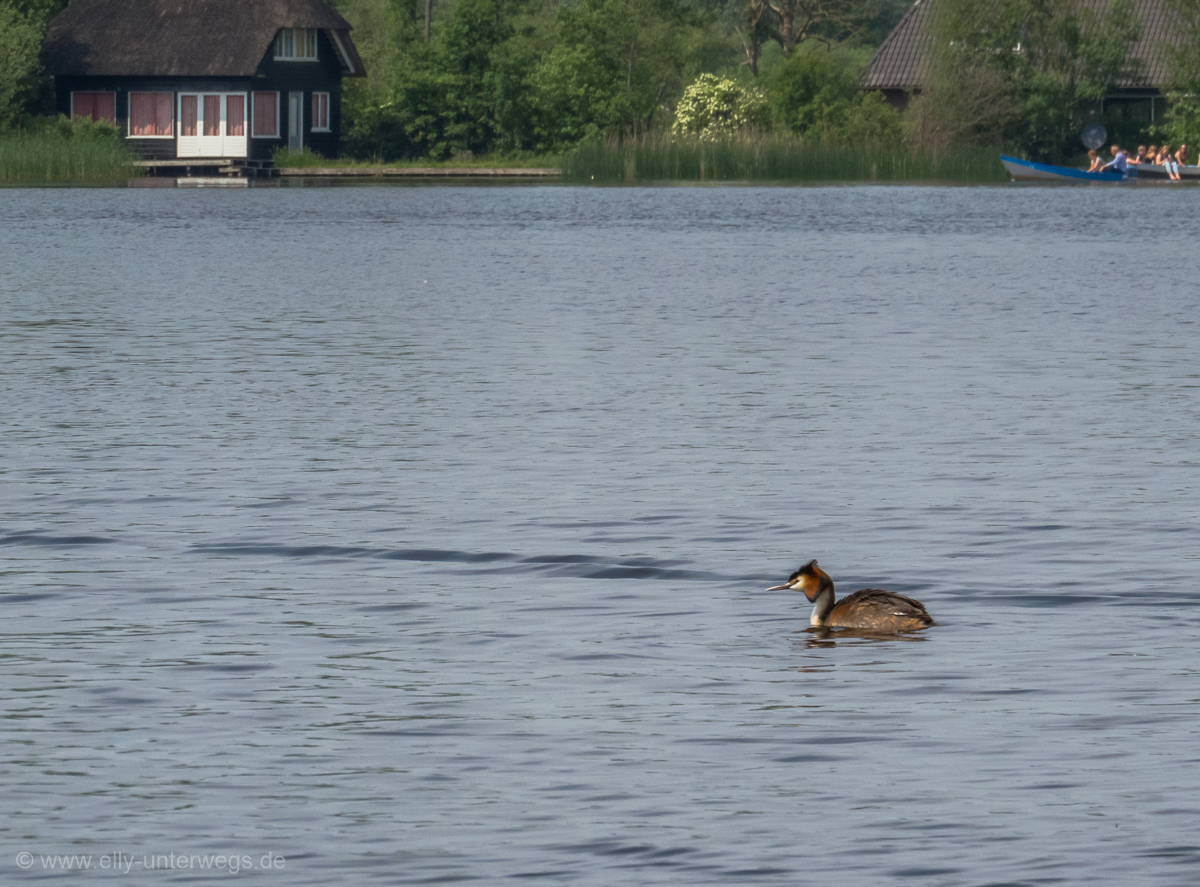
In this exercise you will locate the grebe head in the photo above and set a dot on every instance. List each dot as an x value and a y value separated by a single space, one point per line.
810 579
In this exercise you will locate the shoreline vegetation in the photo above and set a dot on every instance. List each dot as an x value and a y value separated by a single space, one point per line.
628 91
667 157
52 157
306 159
772 158
613 91
60 151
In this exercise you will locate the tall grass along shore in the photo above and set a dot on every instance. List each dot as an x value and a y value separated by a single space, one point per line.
64 152
767 158
306 159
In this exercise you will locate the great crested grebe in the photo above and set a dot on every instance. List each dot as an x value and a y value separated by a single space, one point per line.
871 609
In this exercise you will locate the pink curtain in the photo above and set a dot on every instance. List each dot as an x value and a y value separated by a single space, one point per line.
320 110
95 106
106 107
187 115
141 114
235 115
83 105
164 106
265 123
212 115
150 113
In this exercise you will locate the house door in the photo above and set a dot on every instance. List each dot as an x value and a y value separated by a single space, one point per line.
295 121
212 124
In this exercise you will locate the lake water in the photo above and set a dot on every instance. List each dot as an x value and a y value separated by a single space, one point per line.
397 535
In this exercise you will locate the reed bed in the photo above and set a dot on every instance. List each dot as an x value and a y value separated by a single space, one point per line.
772 158
307 159
48 157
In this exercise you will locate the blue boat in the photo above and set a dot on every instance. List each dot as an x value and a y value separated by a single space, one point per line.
1028 171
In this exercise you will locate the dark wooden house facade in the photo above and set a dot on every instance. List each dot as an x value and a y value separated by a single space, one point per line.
205 78
901 63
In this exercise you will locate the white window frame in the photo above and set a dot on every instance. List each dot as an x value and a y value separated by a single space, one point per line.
294 36
129 112
254 116
326 127
337 41
111 92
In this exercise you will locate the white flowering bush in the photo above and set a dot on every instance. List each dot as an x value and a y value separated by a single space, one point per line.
713 107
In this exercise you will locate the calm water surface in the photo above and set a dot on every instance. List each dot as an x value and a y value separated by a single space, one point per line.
419 534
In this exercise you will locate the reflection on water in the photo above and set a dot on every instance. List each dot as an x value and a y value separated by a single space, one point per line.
419 534
830 637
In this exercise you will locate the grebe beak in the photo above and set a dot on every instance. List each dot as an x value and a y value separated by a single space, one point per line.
779 587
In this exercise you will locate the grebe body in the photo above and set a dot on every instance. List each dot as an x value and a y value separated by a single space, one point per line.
871 609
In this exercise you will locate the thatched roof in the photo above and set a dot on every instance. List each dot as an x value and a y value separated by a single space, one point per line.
183 38
902 60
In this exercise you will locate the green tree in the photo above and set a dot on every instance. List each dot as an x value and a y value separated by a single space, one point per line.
39 11
384 30
1181 124
472 90
1044 64
467 89
791 23
449 101
815 93
614 65
20 39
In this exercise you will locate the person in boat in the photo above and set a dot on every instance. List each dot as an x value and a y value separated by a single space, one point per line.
1167 160
1094 161
1140 156
1119 163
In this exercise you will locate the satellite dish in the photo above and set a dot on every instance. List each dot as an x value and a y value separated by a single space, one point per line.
1094 135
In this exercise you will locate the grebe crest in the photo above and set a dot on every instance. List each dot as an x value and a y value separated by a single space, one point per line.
871 609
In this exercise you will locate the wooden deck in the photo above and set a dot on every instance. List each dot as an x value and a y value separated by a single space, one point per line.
240 167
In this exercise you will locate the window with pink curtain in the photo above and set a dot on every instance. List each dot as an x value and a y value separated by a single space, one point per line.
94 106
150 113
266 116
187 115
212 115
235 115
320 111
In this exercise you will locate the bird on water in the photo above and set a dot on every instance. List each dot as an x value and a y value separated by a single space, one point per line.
871 609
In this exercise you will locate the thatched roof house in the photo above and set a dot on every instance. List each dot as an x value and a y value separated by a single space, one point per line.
900 64
205 78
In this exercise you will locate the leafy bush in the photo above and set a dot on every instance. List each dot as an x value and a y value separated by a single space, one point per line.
614 65
20 38
712 107
61 150
306 158
514 76
63 128
815 94
1181 124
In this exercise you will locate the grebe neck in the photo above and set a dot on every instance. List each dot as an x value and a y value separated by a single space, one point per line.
822 604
